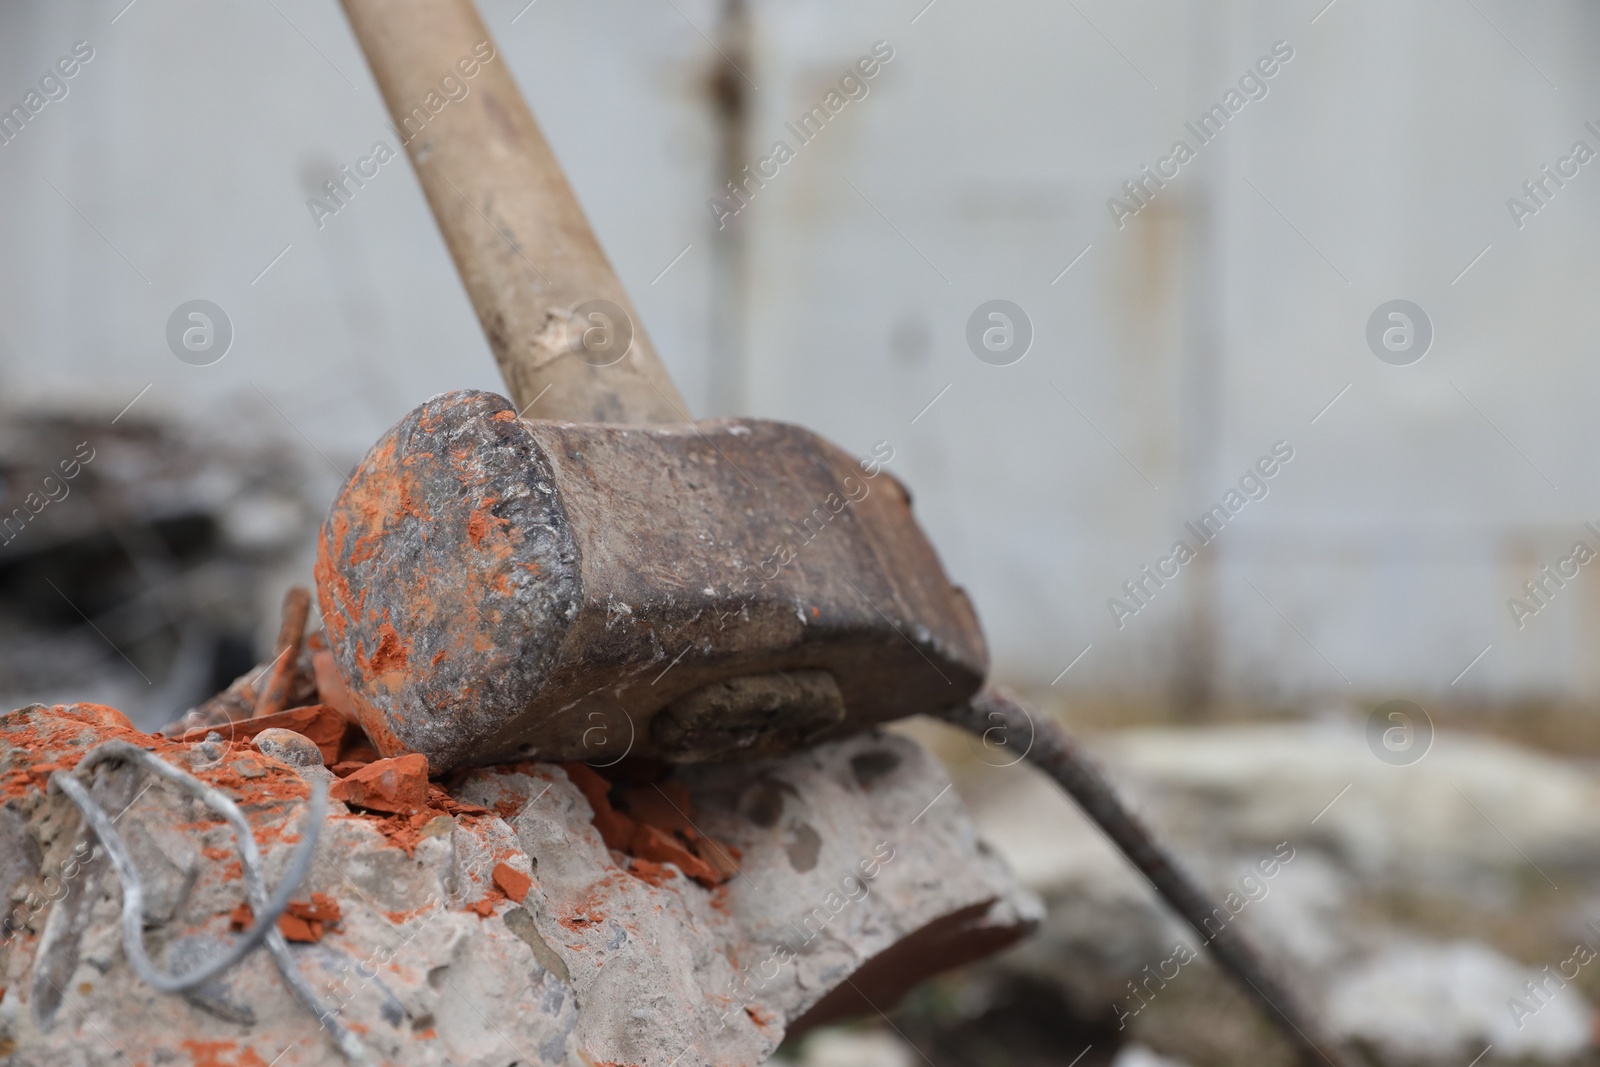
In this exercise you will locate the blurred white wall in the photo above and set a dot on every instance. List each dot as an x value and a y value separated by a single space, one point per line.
1222 318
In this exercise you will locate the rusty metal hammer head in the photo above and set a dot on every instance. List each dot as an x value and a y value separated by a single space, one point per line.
496 588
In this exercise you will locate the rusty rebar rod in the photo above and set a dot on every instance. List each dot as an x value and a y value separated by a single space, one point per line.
275 681
1050 749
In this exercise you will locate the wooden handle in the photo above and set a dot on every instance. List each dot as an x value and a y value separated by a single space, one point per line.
553 309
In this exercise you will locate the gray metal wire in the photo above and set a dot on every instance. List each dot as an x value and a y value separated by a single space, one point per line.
267 909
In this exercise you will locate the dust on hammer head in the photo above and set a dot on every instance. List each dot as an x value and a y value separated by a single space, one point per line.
494 587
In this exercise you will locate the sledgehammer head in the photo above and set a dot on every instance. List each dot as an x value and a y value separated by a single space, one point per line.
495 588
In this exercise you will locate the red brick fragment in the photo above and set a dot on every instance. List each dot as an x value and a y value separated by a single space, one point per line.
589 783
330 685
320 908
651 844
99 714
719 857
651 872
398 785
440 798
664 805
510 881
594 788
616 829
294 928
321 723
302 921
221 1054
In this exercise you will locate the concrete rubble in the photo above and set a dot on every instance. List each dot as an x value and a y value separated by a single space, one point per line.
483 920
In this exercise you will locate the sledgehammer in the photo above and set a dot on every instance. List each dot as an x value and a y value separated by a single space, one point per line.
493 583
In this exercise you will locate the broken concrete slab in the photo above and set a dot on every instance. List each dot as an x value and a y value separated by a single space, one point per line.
433 963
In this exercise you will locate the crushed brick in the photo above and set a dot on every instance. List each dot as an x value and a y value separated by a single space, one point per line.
211 1053
302 921
721 858
664 806
653 844
616 829
651 872
398 785
657 824
512 882
440 798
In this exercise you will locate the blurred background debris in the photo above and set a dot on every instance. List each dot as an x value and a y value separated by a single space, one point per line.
147 579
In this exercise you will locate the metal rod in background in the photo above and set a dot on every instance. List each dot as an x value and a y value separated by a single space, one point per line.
1060 757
